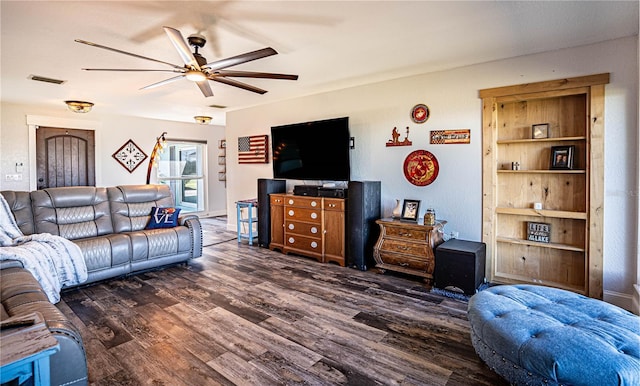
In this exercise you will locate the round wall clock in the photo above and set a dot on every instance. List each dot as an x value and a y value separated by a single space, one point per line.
420 113
421 168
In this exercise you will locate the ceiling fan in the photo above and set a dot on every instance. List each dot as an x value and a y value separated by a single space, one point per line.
196 67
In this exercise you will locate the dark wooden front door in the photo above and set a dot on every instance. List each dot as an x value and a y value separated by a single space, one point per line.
65 157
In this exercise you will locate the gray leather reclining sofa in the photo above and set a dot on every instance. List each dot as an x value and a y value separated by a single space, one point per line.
108 224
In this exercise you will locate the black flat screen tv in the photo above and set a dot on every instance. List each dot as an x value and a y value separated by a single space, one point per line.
317 150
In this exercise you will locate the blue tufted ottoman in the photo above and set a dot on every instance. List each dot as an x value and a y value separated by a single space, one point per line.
533 335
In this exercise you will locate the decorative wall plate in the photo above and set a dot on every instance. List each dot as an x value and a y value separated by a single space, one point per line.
129 156
421 168
420 113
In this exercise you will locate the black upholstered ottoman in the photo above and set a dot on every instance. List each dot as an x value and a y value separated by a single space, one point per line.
534 335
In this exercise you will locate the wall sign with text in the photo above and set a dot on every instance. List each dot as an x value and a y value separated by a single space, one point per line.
539 232
446 137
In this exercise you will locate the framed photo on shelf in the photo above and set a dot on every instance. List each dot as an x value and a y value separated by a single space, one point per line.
562 157
410 210
540 130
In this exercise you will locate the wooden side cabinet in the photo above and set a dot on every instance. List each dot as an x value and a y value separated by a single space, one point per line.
334 230
408 247
277 221
309 226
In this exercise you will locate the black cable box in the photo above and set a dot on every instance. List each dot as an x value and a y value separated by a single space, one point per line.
332 192
306 190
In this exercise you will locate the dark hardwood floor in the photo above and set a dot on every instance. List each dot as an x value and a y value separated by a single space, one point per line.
244 315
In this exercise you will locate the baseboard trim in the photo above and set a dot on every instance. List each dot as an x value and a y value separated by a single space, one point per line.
214 213
619 299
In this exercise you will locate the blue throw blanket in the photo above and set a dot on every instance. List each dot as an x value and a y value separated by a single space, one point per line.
53 260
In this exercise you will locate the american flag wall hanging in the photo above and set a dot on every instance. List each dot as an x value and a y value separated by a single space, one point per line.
253 149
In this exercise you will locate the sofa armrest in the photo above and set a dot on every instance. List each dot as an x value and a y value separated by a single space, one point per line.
182 220
193 223
10 264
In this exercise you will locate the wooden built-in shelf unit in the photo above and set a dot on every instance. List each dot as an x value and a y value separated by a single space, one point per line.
572 200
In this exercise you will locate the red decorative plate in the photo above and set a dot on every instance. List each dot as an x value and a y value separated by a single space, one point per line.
421 168
420 113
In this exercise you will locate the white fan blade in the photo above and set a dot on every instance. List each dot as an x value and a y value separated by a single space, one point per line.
166 81
182 47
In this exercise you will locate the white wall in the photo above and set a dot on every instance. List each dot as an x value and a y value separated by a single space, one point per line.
452 96
111 133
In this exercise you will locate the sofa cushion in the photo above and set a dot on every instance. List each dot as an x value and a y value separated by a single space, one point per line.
163 218
21 294
131 205
105 251
72 212
3 313
154 243
20 204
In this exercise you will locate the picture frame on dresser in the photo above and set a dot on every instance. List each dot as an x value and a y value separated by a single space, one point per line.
562 157
410 210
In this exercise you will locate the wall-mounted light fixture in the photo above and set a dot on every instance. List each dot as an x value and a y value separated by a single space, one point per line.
79 106
202 119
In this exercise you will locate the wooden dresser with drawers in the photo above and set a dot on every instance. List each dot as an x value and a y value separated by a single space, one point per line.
309 226
408 247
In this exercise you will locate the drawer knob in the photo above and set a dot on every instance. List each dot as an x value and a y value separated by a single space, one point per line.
314 204
291 226
404 264
291 240
314 244
314 215
290 201
314 230
291 212
405 234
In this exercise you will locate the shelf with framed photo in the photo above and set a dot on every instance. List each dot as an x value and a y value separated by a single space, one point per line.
549 139
553 133
562 157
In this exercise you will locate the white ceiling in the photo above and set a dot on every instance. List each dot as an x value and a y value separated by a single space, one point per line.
329 44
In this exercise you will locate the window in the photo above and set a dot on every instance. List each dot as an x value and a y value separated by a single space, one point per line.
182 167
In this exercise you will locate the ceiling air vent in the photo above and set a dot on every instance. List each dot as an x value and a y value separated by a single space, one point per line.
218 106
45 79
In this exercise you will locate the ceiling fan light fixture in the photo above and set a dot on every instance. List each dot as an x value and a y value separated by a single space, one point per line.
202 119
195 76
79 106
